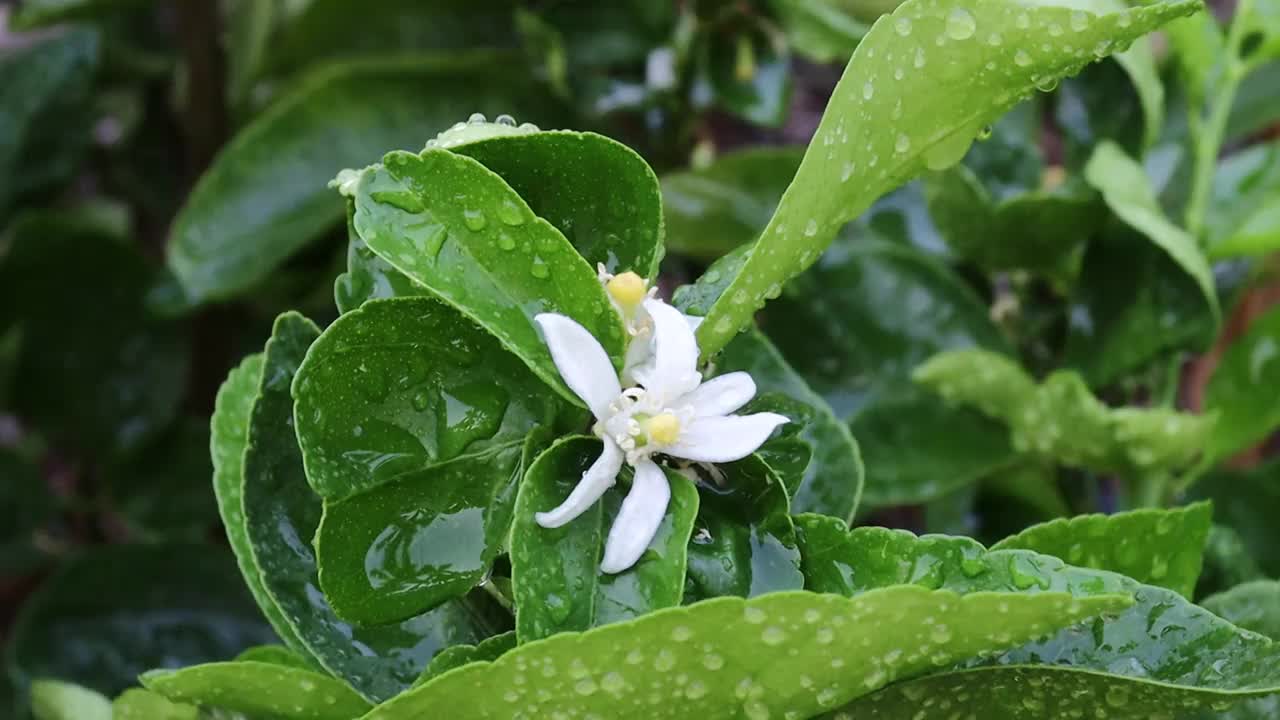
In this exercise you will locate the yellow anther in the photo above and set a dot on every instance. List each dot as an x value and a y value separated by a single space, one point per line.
662 429
627 288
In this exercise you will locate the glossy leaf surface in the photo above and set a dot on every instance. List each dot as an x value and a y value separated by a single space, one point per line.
139 704
265 196
920 86
458 655
555 573
259 690
452 225
731 654
1164 548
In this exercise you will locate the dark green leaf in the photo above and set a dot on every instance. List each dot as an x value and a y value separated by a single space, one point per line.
265 195
1245 415
1242 217
281 516
454 226
715 209
368 276
1164 548
745 72
1247 502
193 609
259 690
164 492
831 479
743 541
555 573
458 655
791 652
905 103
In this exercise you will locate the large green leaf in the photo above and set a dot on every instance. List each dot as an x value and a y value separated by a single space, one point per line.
1128 192
1246 415
265 195
228 437
715 209
281 516
1242 218
1164 548
1162 650
259 690
54 700
555 573
405 383
832 479
1247 502
920 86
96 369
793 652
597 192
194 609
743 541
45 91
876 311
458 655
454 226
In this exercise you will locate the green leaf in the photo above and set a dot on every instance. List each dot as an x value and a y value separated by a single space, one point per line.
555 573
1253 606
1246 501
1164 548
368 276
281 516
53 700
1131 305
1189 657
1060 419
45 90
259 689
398 386
1227 562
715 209
1245 415
601 195
825 30
194 609
458 655
228 437
265 196
832 477
735 656
457 228
139 704
276 655
743 541
881 129
97 370
1127 191
877 310
1242 218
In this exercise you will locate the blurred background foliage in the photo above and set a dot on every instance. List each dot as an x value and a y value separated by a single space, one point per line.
163 171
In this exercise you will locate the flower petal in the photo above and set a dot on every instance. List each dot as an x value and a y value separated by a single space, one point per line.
720 395
638 519
601 476
638 362
582 362
722 439
675 352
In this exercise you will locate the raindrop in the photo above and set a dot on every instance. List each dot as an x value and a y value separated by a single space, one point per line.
1124 20
919 61
539 268
506 242
903 26
681 633
477 118
1048 84
505 120
994 40
1055 30
664 661
902 144
1023 21
1021 58
773 635
612 683
421 400
584 687
985 132
1117 697
712 661
474 219
695 690
811 228
509 214
949 151
960 24
1079 21
868 91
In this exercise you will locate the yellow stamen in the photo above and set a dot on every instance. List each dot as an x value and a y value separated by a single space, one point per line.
627 288
662 429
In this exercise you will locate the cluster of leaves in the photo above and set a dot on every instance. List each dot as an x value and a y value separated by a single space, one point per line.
985 352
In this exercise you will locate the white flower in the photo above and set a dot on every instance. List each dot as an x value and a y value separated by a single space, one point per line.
628 292
671 412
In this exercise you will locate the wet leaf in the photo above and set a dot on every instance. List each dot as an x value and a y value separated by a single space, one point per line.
139 704
194 610
715 209
1242 216
282 514
831 480
259 689
368 277
1164 548
743 541
1189 658
915 93
1127 191
276 655
734 656
265 196
458 655
54 700
1245 415
454 226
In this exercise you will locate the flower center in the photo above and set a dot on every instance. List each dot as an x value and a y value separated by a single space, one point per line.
662 429
627 288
